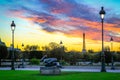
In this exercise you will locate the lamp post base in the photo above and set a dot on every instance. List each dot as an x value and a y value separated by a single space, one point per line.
112 68
12 68
12 65
103 70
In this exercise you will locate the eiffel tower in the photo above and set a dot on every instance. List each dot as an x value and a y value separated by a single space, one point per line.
84 49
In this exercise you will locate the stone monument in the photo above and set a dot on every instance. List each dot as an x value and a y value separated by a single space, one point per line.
51 66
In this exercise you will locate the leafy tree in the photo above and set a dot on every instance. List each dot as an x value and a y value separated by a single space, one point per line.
25 54
72 57
3 52
53 45
46 50
107 48
86 56
97 57
107 57
117 56
17 54
31 48
31 51
54 50
34 61
90 51
36 54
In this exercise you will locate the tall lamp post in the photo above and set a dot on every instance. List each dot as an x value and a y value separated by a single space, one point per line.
61 46
112 61
23 56
13 29
102 14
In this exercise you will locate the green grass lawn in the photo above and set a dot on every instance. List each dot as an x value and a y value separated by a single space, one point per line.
35 75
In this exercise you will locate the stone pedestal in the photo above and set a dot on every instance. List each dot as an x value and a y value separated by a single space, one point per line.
49 70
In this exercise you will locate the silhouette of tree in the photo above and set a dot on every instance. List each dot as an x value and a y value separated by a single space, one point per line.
36 54
3 52
31 48
97 57
72 57
90 51
54 50
108 55
31 51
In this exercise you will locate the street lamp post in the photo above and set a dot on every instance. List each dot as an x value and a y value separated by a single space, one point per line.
102 14
13 29
22 56
112 61
61 46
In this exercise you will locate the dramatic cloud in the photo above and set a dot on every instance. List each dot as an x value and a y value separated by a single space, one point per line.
68 17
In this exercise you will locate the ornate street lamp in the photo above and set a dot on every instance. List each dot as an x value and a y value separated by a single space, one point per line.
111 40
13 56
61 47
61 43
102 14
112 61
23 56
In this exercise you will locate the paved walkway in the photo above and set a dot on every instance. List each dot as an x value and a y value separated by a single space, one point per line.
68 68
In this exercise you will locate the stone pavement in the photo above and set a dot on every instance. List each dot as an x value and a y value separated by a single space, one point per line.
68 68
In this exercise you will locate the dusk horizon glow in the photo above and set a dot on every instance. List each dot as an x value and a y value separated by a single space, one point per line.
39 22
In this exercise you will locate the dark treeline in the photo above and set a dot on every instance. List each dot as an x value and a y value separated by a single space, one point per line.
60 52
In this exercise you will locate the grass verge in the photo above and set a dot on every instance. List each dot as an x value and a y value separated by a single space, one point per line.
35 75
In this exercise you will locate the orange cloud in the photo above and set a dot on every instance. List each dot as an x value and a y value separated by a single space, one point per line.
57 11
74 26
39 20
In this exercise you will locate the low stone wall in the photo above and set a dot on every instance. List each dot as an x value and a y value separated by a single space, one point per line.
49 70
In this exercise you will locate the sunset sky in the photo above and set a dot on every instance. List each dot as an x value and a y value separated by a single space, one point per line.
39 22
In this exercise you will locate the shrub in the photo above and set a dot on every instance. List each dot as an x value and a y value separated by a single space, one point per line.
34 61
64 63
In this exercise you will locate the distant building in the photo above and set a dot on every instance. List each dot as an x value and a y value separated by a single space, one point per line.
9 48
2 43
